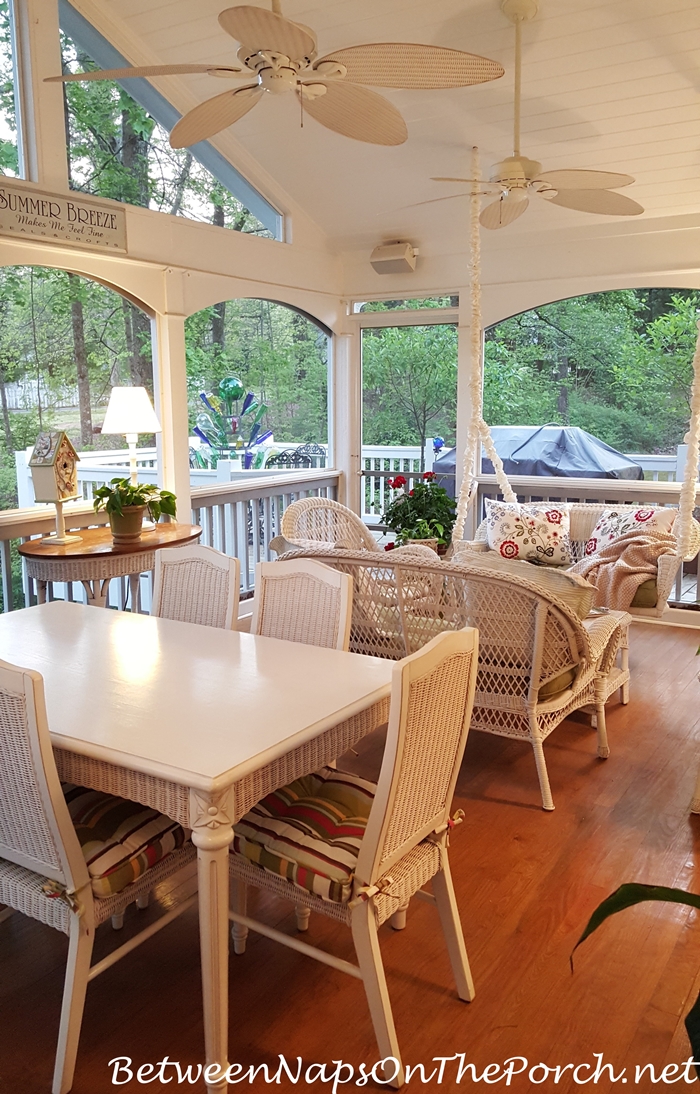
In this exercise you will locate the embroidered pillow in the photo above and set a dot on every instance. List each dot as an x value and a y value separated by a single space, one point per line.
529 532
614 523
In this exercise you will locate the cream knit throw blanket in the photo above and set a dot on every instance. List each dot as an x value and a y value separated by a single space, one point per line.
619 569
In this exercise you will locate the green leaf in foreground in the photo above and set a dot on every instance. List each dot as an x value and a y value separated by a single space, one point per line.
626 897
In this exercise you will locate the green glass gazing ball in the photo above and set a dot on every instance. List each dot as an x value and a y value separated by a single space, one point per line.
231 388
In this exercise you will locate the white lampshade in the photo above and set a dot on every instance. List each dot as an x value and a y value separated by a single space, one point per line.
130 411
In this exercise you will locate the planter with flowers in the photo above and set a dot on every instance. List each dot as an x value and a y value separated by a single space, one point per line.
425 514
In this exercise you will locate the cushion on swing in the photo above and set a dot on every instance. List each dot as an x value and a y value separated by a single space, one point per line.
573 589
529 532
614 523
646 595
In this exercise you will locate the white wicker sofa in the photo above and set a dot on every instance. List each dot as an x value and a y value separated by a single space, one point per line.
537 661
584 516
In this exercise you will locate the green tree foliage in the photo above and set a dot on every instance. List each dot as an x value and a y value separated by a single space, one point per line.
9 158
409 384
618 364
117 150
278 354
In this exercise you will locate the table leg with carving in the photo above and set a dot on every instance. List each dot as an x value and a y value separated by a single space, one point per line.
212 833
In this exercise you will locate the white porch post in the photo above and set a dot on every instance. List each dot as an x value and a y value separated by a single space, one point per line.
346 411
464 402
170 382
43 131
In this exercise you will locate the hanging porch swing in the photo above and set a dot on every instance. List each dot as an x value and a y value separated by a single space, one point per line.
583 515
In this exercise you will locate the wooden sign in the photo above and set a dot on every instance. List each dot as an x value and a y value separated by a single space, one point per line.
32 213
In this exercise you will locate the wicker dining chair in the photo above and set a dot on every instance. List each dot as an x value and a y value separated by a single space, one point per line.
43 871
197 585
302 601
374 846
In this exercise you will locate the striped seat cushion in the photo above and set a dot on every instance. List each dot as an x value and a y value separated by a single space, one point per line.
309 832
120 839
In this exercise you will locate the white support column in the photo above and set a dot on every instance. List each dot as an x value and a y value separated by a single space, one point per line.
170 382
346 411
43 130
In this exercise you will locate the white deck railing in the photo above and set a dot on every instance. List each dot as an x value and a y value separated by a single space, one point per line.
239 518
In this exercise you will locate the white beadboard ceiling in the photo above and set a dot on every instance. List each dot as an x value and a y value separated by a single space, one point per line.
608 84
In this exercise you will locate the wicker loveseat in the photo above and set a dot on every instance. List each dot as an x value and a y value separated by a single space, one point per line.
537 661
584 516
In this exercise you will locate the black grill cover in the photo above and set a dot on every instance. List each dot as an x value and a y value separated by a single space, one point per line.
564 451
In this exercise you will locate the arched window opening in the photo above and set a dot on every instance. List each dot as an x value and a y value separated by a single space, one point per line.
65 341
618 364
279 405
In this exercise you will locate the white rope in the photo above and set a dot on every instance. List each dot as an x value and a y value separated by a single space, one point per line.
687 497
478 431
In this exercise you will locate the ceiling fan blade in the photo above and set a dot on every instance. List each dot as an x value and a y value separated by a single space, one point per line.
143 70
606 202
501 213
358 113
212 116
257 28
408 64
585 180
449 197
446 178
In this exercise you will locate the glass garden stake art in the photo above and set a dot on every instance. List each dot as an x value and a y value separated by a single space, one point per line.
227 429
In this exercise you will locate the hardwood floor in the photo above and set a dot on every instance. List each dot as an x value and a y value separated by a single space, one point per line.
526 883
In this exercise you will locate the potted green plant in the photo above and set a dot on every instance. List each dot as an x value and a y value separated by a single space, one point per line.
126 502
425 514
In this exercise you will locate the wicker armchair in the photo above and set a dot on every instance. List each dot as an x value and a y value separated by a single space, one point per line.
537 661
43 873
313 521
197 585
584 517
404 845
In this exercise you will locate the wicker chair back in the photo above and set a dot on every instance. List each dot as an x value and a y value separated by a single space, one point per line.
431 705
322 520
36 831
197 585
302 601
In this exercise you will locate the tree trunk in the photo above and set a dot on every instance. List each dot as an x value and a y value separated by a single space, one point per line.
218 312
9 440
81 361
182 179
137 329
563 396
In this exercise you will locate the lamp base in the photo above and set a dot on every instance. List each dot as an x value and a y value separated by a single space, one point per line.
54 538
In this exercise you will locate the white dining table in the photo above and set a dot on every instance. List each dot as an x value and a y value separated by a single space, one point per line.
197 722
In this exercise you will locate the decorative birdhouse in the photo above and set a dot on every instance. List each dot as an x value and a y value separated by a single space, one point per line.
54 468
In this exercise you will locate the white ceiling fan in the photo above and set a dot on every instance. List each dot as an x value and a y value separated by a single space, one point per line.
282 56
515 178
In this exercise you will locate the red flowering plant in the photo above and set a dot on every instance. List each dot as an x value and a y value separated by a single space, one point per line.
425 512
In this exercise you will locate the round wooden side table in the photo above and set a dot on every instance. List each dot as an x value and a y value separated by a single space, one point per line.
95 559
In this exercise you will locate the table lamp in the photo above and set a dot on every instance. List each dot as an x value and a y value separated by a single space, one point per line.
130 412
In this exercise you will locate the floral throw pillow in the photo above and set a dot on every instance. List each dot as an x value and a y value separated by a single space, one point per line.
529 532
614 523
